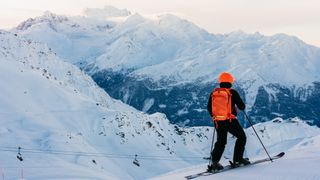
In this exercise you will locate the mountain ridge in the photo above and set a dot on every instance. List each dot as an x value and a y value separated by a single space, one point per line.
153 56
67 127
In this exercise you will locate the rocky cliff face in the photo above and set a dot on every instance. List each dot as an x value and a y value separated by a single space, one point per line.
186 104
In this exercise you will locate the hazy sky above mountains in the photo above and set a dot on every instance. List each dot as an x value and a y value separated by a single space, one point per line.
293 17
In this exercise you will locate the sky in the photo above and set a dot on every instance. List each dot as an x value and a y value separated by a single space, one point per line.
299 18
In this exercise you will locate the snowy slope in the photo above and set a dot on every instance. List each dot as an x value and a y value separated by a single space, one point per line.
42 101
69 128
296 164
63 122
300 161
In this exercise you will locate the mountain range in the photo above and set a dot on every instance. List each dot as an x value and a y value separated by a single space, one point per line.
164 63
63 125
67 126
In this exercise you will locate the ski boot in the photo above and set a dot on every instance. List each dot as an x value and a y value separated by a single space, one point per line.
241 162
215 166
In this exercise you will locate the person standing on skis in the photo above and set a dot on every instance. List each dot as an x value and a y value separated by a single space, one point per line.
222 108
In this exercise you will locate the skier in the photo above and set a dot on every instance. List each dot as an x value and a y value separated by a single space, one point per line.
224 114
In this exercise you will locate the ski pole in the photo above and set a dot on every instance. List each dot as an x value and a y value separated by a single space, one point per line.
247 117
214 131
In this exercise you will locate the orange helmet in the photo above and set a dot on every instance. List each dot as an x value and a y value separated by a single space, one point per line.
225 77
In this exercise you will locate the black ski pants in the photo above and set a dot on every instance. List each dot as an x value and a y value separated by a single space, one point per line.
233 127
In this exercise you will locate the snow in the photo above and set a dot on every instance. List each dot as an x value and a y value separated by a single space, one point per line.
162 106
83 38
63 120
170 49
299 162
294 165
182 111
64 123
50 107
69 128
148 103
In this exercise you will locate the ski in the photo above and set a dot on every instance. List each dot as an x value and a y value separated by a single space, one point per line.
230 166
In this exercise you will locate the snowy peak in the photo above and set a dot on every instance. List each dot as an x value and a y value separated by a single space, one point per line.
160 25
149 42
106 12
170 41
40 58
86 38
131 22
50 22
183 29
284 60
47 18
168 51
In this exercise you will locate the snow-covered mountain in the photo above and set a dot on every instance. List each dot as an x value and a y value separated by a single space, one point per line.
69 128
168 64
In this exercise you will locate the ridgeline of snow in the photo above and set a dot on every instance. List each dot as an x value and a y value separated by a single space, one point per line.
76 39
173 50
153 45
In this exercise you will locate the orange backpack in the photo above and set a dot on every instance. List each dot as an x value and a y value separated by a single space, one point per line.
221 105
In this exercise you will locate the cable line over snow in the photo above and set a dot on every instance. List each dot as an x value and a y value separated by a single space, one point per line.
107 155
